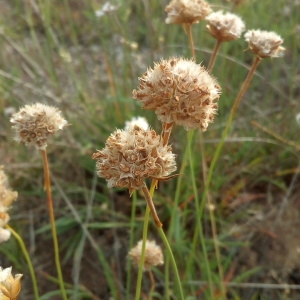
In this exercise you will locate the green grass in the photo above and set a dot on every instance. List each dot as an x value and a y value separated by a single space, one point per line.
60 53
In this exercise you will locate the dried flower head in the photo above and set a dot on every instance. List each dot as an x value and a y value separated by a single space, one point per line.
153 254
132 155
33 124
137 121
4 235
187 11
9 286
264 43
180 91
7 196
106 9
225 27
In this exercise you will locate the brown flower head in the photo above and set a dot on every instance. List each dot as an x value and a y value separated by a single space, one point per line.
153 254
9 286
187 11
225 27
264 43
179 91
33 124
7 196
132 155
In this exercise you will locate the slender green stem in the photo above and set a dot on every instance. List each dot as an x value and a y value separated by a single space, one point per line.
141 266
177 197
173 262
204 174
167 245
132 223
52 222
26 255
199 230
226 131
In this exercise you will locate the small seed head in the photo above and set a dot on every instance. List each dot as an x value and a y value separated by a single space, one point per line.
225 27
264 43
130 156
179 91
187 11
153 254
33 124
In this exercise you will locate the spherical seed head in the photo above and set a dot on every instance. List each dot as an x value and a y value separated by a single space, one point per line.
264 43
132 155
187 11
180 91
153 254
225 27
33 124
7 196
9 286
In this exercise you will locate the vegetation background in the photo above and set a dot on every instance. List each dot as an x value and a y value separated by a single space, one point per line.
59 52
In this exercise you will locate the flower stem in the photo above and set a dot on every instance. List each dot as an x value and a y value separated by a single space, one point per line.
141 265
199 229
151 206
52 222
204 174
167 245
167 129
191 40
152 280
226 131
213 56
173 262
26 255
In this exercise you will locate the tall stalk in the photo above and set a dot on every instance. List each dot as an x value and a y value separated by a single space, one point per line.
47 186
226 130
28 260
204 176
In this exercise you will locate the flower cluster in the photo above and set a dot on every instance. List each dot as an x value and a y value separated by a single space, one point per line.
225 27
264 43
33 124
130 156
179 91
153 254
9 286
7 196
187 11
